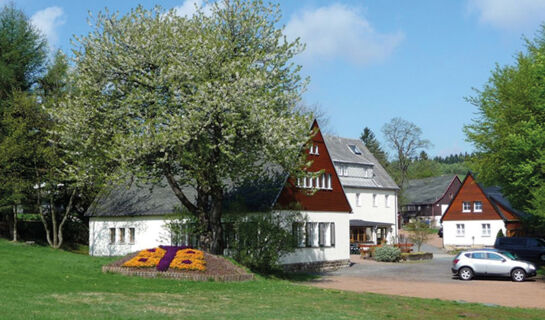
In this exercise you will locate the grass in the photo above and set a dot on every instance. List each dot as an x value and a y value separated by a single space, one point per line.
42 283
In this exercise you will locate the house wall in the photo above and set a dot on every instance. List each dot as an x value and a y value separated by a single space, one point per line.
379 213
150 232
473 228
341 250
442 204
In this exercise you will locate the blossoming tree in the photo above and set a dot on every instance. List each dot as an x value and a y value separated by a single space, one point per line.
206 101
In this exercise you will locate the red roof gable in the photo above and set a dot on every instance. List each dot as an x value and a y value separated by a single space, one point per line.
322 200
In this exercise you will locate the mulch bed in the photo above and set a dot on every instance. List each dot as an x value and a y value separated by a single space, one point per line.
217 269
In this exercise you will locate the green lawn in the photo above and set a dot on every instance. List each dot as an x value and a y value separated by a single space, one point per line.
42 283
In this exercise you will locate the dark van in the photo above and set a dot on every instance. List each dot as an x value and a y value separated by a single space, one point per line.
525 248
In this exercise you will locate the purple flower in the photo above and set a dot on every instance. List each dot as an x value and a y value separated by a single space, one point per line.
190 251
187 262
152 250
165 261
143 259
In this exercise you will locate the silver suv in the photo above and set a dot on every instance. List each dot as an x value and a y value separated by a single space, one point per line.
491 262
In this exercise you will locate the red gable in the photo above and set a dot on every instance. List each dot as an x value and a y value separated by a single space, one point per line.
330 197
471 192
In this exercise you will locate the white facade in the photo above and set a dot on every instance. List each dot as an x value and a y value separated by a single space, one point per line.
149 232
467 233
374 205
315 253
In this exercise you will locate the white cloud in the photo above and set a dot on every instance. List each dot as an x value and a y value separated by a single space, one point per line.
338 31
188 8
510 15
47 21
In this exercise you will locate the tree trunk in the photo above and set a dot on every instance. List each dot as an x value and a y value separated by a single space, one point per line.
64 218
15 223
53 222
42 216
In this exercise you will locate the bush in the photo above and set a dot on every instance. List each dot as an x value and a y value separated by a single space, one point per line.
387 254
500 234
261 239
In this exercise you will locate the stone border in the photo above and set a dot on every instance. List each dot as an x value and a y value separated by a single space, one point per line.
417 256
177 275
318 266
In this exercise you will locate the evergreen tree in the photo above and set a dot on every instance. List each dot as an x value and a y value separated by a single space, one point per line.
370 141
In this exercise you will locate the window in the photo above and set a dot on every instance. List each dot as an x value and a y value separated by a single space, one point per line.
460 230
478 255
323 229
112 235
466 207
332 233
386 202
343 170
374 200
122 235
477 206
486 229
320 182
131 235
328 182
493 256
354 149
369 173
314 149
298 229
312 235
358 199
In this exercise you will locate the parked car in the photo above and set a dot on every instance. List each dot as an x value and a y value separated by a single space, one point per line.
526 248
492 263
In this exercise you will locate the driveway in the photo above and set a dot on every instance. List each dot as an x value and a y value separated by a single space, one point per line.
432 279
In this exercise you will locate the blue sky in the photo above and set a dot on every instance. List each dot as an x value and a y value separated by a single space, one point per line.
370 61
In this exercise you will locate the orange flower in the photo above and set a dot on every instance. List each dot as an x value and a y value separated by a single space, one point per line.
146 258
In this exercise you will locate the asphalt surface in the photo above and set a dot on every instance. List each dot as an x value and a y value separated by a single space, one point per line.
437 269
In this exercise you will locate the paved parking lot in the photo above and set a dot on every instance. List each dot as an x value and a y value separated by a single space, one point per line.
432 279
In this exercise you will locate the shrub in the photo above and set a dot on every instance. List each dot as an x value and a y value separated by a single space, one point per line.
261 239
500 234
387 254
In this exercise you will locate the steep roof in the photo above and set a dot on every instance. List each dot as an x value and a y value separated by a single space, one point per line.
493 194
427 190
340 152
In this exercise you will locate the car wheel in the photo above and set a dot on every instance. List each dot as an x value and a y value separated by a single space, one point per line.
518 275
465 273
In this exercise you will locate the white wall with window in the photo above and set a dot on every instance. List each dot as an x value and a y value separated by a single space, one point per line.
115 236
481 233
324 237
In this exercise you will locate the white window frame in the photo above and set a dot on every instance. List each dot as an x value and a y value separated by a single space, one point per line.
314 150
113 235
386 201
329 187
358 199
460 230
464 209
132 235
122 235
312 236
480 209
485 227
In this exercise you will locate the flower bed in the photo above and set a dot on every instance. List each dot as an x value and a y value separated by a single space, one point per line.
166 257
210 267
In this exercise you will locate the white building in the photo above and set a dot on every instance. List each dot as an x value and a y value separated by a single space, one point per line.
135 217
372 193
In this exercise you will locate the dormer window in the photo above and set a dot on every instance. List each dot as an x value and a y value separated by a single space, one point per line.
314 149
354 149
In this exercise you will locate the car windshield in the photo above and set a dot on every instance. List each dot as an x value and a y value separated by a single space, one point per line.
509 255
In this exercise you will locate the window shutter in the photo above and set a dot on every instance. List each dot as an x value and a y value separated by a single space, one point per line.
308 234
332 233
321 228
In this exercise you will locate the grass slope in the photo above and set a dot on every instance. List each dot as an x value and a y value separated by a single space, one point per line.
42 283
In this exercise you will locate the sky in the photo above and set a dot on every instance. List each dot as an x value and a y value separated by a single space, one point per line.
369 61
